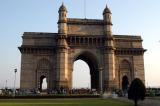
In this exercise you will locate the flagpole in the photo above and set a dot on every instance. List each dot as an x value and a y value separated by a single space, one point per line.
85 9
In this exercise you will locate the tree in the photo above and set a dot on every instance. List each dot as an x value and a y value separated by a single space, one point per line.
137 91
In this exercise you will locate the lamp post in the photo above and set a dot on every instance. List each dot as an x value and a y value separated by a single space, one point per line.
14 92
6 85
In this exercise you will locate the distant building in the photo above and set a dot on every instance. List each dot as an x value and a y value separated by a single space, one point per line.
51 55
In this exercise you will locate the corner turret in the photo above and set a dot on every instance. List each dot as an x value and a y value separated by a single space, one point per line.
62 22
107 18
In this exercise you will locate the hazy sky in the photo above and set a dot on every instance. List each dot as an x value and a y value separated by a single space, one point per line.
131 17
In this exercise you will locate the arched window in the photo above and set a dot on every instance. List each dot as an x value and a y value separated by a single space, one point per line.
43 70
125 70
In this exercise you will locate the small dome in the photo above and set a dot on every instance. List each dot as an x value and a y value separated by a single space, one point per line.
62 8
106 10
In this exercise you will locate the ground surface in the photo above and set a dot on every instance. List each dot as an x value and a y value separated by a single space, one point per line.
63 102
155 98
154 101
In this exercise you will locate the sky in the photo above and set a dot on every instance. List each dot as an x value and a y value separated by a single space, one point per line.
130 17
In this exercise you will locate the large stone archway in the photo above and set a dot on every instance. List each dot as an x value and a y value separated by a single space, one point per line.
91 40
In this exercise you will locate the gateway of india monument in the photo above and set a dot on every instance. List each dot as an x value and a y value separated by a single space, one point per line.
51 55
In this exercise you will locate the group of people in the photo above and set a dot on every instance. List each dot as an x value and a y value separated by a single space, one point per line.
73 91
56 91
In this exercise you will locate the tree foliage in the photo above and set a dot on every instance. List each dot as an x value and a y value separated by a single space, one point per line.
137 91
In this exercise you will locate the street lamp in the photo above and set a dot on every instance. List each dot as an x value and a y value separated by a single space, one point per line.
6 85
14 93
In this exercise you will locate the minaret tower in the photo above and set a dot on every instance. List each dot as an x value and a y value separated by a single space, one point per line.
109 60
62 49
107 18
62 22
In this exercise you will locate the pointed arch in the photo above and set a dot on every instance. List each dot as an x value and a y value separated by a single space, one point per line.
92 61
43 70
125 71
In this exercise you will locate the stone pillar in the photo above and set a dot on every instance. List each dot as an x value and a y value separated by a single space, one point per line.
70 69
109 65
101 80
62 62
108 71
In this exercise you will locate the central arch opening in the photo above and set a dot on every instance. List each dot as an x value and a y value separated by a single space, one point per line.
87 74
81 75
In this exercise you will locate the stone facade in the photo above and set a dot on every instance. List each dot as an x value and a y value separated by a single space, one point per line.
51 55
